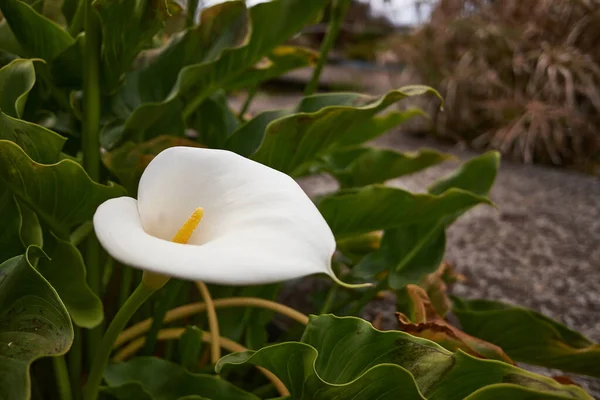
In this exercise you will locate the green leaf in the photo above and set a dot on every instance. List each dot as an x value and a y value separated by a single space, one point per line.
41 144
361 166
504 391
534 339
355 211
61 194
33 323
10 241
8 41
476 175
406 253
336 354
289 139
127 28
16 80
65 270
157 379
214 121
410 252
37 35
279 61
294 363
229 40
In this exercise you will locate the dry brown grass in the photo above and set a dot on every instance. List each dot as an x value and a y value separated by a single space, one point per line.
519 76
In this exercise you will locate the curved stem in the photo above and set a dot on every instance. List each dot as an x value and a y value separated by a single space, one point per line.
62 378
175 333
213 322
137 298
338 12
195 308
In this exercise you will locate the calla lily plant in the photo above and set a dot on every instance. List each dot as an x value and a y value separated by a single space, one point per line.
257 225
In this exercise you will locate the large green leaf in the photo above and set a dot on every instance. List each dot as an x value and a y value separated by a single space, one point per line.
65 270
279 61
41 144
33 323
336 354
288 139
150 378
150 102
361 166
533 339
8 42
355 211
16 80
20 227
127 27
410 252
37 35
229 40
61 194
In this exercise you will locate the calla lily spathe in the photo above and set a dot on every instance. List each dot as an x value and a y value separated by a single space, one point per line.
258 224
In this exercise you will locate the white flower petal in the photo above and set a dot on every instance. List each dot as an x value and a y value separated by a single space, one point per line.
258 224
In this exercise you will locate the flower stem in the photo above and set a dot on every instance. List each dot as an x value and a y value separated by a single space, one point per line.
62 378
213 323
91 144
137 298
331 293
338 12
195 308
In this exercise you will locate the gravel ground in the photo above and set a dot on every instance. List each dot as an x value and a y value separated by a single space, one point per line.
538 249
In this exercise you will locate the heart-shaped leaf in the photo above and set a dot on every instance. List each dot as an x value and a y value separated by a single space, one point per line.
33 323
65 270
534 338
476 175
61 194
336 354
361 166
37 35
151 378
288 139
16 80
355 211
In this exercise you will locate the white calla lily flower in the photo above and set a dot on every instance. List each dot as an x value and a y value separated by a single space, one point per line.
257 225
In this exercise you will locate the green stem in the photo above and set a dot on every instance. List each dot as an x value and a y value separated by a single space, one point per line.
191 13
81 232
331 293
91 145
137 298
125 286
251 93
62 378
338 12
75 357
